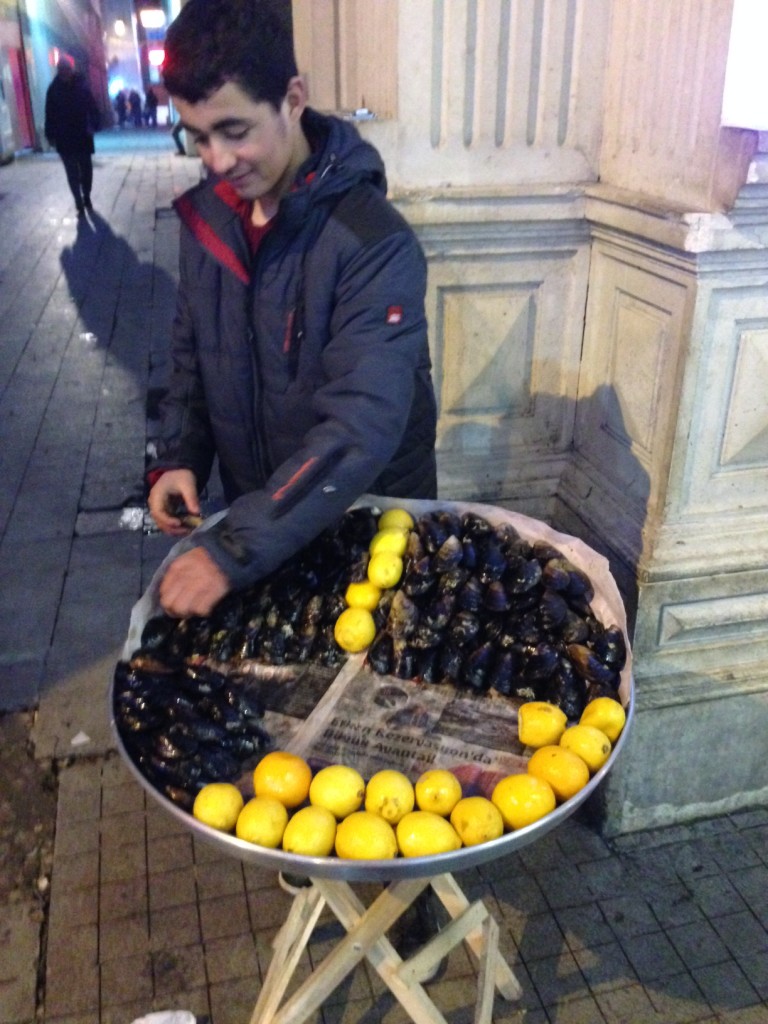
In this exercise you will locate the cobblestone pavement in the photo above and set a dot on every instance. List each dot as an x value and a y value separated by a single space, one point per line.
114 908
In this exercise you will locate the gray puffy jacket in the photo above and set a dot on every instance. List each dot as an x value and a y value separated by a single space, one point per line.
306 369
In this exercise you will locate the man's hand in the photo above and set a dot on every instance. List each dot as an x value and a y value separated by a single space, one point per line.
177 486
192 585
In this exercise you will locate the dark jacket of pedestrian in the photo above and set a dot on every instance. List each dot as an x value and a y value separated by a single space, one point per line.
306 367
134 102
71 114
150 107
121 108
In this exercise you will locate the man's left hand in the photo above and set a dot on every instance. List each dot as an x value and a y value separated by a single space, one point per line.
192 585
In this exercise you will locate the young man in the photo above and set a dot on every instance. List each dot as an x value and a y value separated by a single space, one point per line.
71 118
299 350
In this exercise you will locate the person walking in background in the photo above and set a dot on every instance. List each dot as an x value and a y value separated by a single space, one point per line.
150 107
71 118
121 108
134 101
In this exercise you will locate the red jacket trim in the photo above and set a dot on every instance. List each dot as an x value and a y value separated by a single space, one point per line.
282 491
208 238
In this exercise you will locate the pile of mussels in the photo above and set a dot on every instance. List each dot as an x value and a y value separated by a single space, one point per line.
188 704
477 606
482 608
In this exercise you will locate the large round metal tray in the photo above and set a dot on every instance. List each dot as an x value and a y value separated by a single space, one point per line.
607 603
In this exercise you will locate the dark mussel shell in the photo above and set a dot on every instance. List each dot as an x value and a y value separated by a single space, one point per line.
420 577
470 597
403 616
451 581
496 598
464 627
380 653
451 659
566 690
610 647
424 637
491 560
244 697
556 573
590 668
438 612
476 668
475 526
224 645
432 532
428 665
202 679
449 555
216 765
468 553
155 635
574 629
540 662
451 521
403 660
553 610
522 575
175 744
544 551
505 670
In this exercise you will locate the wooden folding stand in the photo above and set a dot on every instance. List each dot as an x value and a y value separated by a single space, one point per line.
366 938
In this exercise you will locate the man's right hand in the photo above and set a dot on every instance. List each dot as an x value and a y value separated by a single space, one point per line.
174 488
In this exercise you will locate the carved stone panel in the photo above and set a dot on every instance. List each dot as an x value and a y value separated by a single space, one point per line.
726 458
505 329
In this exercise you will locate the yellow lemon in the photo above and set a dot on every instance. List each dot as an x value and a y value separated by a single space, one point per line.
523 799
365 836
310 832
562 769
262 821
354 629
218 805
392 539
397 517
424 834
437 790
338 788
607 715
540 723
591 745
385 569
284 776
362 595
477 820
389 794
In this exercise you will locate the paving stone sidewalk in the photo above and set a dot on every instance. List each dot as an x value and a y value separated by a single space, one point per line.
667 927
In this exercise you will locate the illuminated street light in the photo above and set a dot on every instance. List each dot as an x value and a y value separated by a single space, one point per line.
152 17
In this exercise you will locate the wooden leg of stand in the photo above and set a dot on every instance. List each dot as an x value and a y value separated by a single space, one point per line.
381 954
289 944
365 937
486 982
455 902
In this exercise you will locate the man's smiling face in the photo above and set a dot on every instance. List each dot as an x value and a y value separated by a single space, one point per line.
254 147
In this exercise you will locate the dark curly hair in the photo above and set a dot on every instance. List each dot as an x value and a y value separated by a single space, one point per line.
247 42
